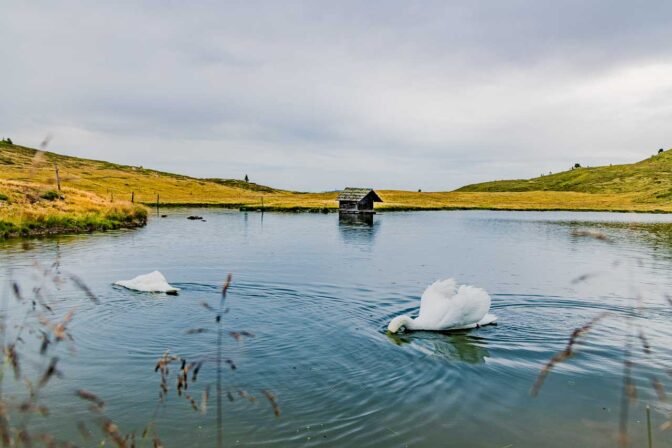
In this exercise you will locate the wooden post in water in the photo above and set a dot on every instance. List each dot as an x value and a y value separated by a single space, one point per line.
157 203
262 204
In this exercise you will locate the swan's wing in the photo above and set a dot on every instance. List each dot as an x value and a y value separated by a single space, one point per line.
467 307
436 301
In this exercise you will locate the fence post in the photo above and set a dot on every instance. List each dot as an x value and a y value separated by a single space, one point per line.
58 177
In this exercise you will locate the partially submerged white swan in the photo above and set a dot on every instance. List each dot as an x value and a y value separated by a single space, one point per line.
443 306
152 282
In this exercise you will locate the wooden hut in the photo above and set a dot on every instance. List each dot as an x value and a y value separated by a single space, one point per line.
357 200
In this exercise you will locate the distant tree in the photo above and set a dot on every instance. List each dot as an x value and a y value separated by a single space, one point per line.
7 140
577 165
247 179
660 151
419 190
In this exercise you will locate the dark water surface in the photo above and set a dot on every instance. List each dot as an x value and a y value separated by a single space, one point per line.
318 295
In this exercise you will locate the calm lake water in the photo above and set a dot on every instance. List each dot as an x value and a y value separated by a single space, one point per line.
318 294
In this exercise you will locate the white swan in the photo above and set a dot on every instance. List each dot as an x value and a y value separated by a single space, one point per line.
443 306
152 282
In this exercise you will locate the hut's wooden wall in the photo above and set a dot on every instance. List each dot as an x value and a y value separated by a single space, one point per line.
366 204
348 206
363 206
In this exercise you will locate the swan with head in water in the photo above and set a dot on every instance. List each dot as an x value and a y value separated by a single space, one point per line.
444 306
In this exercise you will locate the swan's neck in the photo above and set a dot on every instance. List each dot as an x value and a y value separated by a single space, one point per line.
400 322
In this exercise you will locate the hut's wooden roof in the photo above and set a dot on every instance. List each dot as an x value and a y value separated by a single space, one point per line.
357 194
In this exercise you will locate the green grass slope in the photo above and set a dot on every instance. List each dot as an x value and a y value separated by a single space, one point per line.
649 180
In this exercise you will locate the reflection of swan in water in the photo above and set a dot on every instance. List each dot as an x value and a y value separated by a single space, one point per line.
451 347
443 306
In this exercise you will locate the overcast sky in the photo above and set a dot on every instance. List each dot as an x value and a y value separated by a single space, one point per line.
321 95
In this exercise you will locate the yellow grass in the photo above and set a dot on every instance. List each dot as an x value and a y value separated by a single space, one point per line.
528 200
31 209
119 182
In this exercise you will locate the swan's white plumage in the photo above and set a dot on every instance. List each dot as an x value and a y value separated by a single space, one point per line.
152 282
444 306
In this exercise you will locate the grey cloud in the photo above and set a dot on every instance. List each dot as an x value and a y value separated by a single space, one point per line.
432 93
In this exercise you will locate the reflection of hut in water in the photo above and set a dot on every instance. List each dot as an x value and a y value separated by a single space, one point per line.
357 201
357 229
356 219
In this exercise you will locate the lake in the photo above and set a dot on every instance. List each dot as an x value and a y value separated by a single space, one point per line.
317 295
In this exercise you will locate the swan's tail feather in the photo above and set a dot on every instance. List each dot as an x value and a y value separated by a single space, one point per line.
488 319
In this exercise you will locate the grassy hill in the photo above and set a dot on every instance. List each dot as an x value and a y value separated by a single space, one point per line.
114 181
28 209
648 181
645 187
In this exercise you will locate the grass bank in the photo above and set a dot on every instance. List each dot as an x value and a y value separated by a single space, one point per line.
645 186
30 209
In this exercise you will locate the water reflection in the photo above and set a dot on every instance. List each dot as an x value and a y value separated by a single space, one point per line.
358 229
452 347
658 236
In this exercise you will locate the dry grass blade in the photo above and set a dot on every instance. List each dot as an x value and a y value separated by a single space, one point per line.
659 388
582 278
88 396
60 330
203 407
591 234
51 371
628 397
207 307
249 397
30 406
271 399
227 283
237 335
566 353
45 342
13 358
16 290
111 429
646 347
83 431
82 286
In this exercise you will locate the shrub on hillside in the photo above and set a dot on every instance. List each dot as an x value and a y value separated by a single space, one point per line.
50 195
